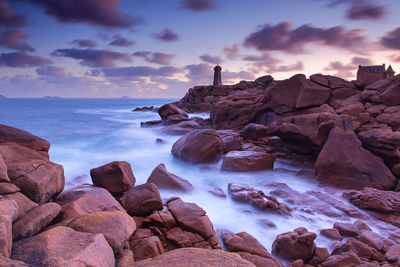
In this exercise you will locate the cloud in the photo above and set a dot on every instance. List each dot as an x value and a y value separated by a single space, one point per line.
229 76
119 40
15 39
283 37
269 64
199 5
166 35
141 71
231 51
392 39
8 18
345 71
199 73
22 60
104 13
157 57
85 43
395 58
51 71
363 10
92 57
211 59
361 61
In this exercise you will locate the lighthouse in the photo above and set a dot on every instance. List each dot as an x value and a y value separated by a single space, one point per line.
217 75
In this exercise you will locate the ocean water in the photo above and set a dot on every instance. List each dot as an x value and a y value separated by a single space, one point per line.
86 133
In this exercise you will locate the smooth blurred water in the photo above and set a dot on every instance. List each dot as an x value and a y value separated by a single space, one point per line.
86 133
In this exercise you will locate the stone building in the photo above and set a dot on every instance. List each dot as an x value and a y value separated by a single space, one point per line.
217 75
370 74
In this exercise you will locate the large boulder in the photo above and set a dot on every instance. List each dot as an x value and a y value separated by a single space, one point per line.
236 111
246 161
35 220
117 176
142 200
362 252
257 198
184 257
23 204
5 235
116 226
295 92
305 131
387 93
345 163
199 146
3 171
231 139
171 114
249 248
37 177
381 140
192 218
23 138
63 246
8 188
166 180
9 208
7 262
86 199
298 244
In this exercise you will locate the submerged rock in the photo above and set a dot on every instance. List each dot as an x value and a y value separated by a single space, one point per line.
257 198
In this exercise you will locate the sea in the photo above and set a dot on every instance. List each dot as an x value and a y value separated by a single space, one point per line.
87 133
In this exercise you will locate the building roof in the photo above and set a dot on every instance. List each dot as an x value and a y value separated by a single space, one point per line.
373 69
390 69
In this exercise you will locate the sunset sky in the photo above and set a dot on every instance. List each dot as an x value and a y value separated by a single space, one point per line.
160 48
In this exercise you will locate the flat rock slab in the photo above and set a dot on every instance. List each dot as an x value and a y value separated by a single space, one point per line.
184 257
63 246
246 161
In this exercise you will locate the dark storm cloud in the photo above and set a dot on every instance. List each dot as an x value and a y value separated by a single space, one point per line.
119 40
166 35
392 39
85 43
92 57
15 39
198 5
51 71
8 18
22 60
141 71
94 12
364 10
211 59
157 57
283 37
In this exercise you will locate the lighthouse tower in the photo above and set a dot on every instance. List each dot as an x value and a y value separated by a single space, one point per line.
217 75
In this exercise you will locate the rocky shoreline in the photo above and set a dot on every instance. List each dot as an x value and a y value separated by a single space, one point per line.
348 132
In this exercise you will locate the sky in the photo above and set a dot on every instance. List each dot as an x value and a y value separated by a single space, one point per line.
160 48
